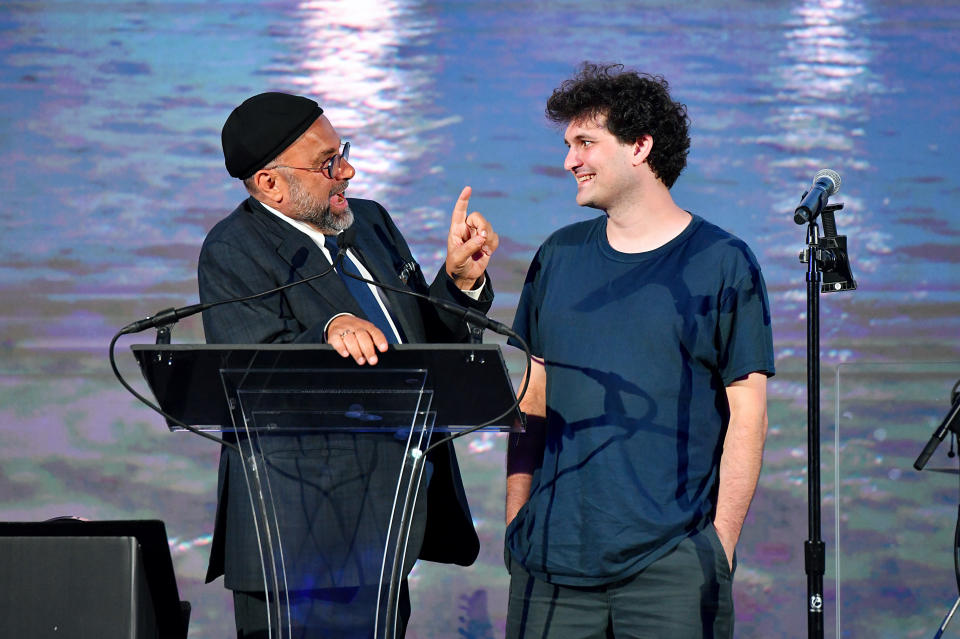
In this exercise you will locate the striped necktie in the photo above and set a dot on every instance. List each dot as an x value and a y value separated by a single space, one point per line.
360 290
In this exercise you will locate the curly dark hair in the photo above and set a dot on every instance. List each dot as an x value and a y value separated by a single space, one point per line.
634 104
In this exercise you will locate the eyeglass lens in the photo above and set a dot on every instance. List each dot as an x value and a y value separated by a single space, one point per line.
333 169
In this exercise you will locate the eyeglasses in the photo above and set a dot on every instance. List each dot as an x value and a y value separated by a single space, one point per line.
330 169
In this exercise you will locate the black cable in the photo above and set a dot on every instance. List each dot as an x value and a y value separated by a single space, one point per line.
956 551
956 533
154 407
173 315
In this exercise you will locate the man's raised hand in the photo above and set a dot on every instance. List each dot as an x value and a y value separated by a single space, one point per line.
470 244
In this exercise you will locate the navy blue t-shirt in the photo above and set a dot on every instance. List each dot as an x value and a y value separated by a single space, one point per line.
638 349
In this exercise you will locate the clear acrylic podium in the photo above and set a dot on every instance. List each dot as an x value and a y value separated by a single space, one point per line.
289 408
894 525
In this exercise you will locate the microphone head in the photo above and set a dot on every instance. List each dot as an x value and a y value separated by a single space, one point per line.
346 238
830 176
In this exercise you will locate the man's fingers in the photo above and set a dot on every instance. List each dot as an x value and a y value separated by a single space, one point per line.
378 341
479 223
482 234
360 347
468 250
492 241
360 343
367 349
352 346
460 208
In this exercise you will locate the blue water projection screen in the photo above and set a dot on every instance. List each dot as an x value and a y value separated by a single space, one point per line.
112 174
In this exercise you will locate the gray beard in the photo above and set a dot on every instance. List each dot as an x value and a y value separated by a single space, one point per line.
315 211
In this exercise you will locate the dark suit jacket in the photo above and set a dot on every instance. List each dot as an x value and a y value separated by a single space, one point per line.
334 491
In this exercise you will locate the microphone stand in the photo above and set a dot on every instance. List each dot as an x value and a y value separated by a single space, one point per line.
813 548
950 425
823 255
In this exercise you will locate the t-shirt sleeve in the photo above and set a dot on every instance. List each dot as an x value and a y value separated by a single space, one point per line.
745 332
526 320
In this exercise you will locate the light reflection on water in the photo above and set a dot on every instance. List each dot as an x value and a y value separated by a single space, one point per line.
826 84
361 61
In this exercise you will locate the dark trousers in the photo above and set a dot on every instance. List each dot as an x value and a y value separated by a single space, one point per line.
686 594
331 613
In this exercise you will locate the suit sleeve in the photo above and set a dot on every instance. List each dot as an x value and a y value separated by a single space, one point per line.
443 322
226 271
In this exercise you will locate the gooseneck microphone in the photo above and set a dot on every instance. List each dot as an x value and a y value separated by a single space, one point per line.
825 184
950 422
345 241
174 315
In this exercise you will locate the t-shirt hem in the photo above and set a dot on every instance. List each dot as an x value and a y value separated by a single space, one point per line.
579 581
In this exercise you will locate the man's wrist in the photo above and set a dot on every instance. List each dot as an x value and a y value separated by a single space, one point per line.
472 288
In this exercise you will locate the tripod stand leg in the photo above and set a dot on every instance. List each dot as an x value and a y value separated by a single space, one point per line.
946 620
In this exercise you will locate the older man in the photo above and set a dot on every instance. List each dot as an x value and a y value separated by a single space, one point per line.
338 488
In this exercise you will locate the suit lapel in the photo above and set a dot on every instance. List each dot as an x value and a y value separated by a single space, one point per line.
306 260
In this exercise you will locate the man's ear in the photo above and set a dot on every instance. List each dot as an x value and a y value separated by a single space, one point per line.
641 149
268 185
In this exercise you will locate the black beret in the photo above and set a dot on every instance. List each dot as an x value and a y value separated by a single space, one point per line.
262 127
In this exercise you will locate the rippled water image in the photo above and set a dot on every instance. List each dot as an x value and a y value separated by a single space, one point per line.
112 174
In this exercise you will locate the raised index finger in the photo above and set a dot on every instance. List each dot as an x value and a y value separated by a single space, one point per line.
460 208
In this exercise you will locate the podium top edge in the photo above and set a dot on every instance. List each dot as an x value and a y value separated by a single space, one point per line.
304 347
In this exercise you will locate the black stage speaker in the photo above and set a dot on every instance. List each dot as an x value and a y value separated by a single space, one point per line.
72 579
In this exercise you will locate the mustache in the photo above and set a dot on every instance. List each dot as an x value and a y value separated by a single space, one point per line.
339 188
